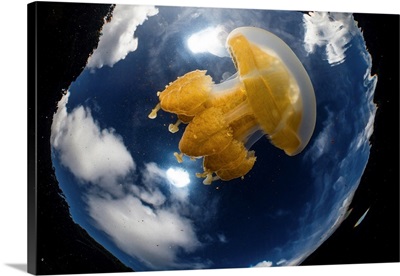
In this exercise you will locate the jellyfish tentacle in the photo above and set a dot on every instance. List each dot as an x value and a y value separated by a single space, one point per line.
179 157
153 113
173 128
208 176
209 179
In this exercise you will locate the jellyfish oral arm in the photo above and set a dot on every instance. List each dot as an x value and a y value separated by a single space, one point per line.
153 113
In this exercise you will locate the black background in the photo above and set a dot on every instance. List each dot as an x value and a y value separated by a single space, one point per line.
60 38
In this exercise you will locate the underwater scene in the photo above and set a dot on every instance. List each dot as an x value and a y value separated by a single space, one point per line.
216 138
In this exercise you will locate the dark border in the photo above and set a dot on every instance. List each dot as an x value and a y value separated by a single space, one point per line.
32 127
61 36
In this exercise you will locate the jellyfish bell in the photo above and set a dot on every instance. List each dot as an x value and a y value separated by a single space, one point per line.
278 87
271 95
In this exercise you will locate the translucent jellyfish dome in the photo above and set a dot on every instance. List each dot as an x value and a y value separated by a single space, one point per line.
277 117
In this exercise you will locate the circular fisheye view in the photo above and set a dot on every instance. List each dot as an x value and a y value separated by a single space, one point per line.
216 138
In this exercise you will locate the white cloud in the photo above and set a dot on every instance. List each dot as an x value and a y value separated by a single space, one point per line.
322 143
151 196
152 174
153 235
264 264
92 154
365 134
281 262
222 238
143 219
330 30
117 39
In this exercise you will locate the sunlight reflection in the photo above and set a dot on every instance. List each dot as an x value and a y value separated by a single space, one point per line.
178 177
211 40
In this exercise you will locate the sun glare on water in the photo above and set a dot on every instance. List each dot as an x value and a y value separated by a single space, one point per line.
211 40
178 177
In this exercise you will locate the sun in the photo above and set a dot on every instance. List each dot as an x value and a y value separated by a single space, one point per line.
210 40
178 177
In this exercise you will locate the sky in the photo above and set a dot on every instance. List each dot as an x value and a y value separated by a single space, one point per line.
14 240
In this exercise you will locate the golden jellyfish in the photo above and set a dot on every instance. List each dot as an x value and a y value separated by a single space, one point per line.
270 95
